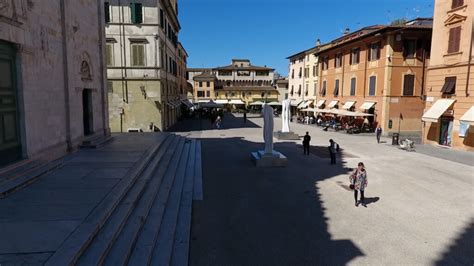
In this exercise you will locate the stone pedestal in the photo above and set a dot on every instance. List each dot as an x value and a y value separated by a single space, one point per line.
286 135
276 159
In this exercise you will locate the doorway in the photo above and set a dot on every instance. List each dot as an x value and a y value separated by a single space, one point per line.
446 131
10 139
87 112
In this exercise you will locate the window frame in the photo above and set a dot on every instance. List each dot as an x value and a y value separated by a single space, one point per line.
454 39
412 55
132 54
374 91
109 48
405 89
376 56
355 56
136 18
457 3
353 89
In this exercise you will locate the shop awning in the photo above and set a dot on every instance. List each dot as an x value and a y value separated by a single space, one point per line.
468 117
236 102
203 101
274 104
437 110
332 104
301 105
348 105
320 103
355 114
367 105
308 103
449 85
187 103
295 102
257 103
220 101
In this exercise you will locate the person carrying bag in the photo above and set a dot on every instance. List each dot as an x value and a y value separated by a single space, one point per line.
358 182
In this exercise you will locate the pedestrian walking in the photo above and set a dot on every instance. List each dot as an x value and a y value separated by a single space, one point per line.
218 122
333 149
359 182
245 117
306 140
378 133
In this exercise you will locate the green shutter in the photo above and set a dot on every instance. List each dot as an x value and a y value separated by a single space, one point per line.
136 13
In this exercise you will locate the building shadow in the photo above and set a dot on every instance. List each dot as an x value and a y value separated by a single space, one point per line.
264 216
202 123
461 250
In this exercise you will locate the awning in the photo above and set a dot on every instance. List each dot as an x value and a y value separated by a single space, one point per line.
468 117
355 114
211 104
257 103
187 103
274 104
220 101
348 105
236 102
301 105
332 104
437 110
295 102
203 101
449 85
367 105
307 103
320 103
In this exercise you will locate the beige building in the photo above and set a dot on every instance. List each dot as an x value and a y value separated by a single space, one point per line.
296 78
52 82
145 64
449 114
238 84
282 88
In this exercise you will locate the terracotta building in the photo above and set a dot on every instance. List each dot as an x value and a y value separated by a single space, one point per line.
52 79
378 70
449 114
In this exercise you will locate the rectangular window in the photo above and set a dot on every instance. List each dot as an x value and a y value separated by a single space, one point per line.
208 84
336 88
292 73
162 19
208 94
355 56
374 51
409 48
109 56
323 89
353 86
301 72
315 71
457 3
325 63
338 60
449 86
372 85
136 12
307 90
110 86
200 94
454 40
138 54
107 12
200 84
408 85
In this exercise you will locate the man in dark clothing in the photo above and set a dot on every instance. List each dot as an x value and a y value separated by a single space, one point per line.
378 133
306 140
333 148
245 117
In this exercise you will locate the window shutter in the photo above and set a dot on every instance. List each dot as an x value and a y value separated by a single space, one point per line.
141 54
372 85
107 12
408 85
139 13
353 86
133 13
454 39
378 50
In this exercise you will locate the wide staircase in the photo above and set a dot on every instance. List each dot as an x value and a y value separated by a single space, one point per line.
146 219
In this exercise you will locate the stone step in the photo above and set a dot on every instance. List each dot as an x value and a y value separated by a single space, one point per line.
198 189
26 174
104 240
163 248
95 142
161 183
73 247
182 236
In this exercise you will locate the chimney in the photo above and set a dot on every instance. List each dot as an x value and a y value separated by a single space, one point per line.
346 31
318 42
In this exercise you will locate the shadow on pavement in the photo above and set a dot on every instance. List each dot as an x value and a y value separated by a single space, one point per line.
229 121
264 216
461 251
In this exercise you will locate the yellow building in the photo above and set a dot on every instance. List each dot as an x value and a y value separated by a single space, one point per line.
204 87
449 113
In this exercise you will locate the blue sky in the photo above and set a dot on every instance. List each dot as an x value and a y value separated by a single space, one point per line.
267 31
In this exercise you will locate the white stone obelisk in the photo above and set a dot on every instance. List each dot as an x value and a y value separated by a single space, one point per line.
285 116
268 128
